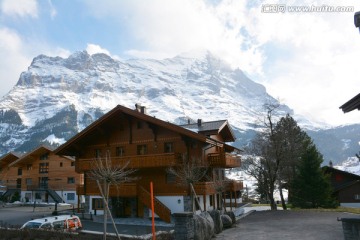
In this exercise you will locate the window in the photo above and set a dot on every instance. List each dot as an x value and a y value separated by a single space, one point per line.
170 178
97 203
120 151
141 149
28 181
46 226
72 164
19 171
357 196
70 196
97 153
29 167
139 125
43 167
71 180
44 156
61 164
168 147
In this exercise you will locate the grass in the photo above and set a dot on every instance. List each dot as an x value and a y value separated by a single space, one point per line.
338 209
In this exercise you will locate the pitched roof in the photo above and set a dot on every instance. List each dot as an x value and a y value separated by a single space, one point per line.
9 158
331 169
352 104
213 127
346 185
42 149
69 147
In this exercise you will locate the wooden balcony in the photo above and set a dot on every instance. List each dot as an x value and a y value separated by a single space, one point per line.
224 160
122 190
234 186
55 187
135 162
204 188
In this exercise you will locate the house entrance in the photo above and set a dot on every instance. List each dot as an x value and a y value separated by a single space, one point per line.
122 207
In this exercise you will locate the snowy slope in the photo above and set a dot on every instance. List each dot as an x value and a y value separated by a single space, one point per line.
57 97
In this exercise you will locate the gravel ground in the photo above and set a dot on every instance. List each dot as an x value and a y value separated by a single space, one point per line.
294 225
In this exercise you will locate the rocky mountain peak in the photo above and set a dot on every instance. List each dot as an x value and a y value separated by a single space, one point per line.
57 97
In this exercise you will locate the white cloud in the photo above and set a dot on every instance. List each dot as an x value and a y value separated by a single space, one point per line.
13 61
315 70
20 8
167 28
93 48
53 11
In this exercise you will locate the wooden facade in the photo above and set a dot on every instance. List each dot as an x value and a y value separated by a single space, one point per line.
8 175
151 146
346 186
40 175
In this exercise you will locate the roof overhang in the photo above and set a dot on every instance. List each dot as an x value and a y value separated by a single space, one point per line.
72 146
352 104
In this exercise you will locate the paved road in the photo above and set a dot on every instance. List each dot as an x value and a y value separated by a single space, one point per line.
292 225
259 225
17 216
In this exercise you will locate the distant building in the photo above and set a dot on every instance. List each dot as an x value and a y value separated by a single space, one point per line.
40 176
346 186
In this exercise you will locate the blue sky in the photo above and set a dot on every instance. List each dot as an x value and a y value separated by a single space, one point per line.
309 60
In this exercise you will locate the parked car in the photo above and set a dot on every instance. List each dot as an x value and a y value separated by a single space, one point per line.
57 223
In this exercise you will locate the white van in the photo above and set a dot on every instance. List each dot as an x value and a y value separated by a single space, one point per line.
57 223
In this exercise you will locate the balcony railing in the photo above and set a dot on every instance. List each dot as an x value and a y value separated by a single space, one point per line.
56 187
224 160
11 186
122 190
135 162
234 186
204 188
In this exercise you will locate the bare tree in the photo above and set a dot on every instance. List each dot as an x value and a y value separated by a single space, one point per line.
263 161
106 174
220 184
188 172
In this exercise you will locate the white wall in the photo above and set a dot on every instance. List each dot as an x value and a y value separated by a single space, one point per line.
174 203
98 212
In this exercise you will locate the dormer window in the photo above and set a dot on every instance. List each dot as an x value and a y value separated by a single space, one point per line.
44 156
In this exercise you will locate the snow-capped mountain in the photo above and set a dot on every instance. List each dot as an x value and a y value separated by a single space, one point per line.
56 97
351 165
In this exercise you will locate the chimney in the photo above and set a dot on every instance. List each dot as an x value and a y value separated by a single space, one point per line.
140 109
199 122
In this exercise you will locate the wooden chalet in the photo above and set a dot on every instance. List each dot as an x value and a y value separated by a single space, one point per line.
151 146
8 175
346 186
42 176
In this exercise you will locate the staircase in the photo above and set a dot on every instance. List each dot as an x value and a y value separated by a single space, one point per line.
160 209
9 192
54 196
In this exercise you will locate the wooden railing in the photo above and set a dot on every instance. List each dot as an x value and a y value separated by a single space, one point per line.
204 188
224 160
160 209
234 186
122 190
135 162
56 187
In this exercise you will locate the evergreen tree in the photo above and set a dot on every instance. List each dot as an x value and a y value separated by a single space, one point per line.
311 188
